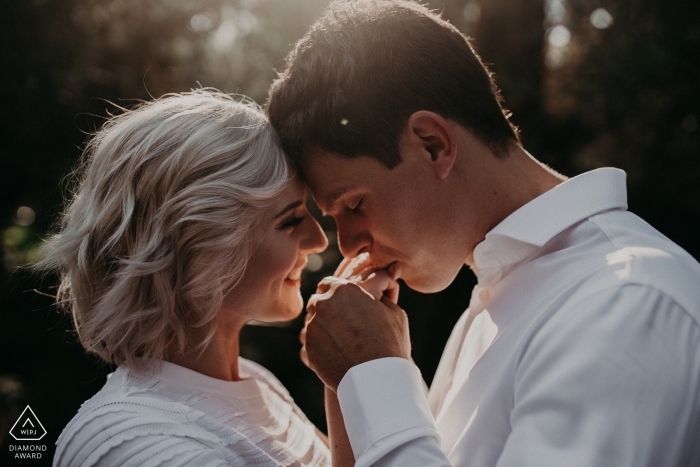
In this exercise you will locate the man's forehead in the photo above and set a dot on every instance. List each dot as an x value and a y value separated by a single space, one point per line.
323 166
330 177
328 191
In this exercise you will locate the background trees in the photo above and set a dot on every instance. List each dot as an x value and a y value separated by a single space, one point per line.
590 83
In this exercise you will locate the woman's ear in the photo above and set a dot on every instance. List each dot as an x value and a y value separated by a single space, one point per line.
434 138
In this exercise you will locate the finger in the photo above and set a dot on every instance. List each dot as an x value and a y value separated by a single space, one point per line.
356 264
311 304
323 291
392 305
304 356
325 285
342 266
392 291
379 282
362 274
401 315
302 336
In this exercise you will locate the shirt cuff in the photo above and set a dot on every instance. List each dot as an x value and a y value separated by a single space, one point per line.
381 398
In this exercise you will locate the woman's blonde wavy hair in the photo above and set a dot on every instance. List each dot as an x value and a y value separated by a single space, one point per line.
163 222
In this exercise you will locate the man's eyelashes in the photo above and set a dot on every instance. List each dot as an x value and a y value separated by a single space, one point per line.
358 205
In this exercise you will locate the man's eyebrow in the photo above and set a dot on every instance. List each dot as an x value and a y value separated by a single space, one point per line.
289 207
336 194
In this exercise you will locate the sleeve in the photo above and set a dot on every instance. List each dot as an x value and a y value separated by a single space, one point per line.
384 407
612 381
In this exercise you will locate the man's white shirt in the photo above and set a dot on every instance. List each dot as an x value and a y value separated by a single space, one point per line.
580 347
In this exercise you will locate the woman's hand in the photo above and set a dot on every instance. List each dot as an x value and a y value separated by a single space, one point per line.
360 270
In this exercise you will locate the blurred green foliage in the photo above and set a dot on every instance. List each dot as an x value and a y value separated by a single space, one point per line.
618 88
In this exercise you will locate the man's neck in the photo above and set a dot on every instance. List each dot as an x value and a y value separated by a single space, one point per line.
523 179
510 183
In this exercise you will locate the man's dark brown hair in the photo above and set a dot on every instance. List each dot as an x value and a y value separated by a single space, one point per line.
365 67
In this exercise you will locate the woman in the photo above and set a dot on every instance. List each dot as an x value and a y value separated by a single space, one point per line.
187 223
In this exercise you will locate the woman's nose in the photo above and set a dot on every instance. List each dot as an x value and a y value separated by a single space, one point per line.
316 240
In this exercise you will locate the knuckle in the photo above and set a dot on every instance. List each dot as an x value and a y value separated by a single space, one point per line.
320 307
346 289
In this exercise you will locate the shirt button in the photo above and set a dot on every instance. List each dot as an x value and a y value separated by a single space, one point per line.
484 295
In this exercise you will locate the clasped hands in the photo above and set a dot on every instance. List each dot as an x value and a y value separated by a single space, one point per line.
353 318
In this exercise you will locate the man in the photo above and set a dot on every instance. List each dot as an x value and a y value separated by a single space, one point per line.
581 344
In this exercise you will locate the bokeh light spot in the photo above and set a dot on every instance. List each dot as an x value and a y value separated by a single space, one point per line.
559 36
315 263
25 216
554 58
601 18
555 11
201 23
10 387
225 36
472 12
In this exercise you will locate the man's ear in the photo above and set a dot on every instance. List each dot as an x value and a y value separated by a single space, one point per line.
434 138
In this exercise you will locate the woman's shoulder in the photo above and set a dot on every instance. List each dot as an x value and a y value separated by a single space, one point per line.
138 420
121 420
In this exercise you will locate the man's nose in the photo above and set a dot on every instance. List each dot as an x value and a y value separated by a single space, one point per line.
353 240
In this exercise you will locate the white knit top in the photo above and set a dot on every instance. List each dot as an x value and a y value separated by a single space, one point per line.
176 417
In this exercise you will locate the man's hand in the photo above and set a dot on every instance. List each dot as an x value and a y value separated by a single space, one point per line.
353 319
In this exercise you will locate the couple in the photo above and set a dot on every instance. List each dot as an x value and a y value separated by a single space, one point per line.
581 344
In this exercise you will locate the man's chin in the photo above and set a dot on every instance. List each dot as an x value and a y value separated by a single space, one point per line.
427 285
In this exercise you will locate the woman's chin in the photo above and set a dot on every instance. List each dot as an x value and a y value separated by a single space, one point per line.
294 306
294 290
298 304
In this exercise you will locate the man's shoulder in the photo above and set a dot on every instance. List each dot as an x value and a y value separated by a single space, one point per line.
633 252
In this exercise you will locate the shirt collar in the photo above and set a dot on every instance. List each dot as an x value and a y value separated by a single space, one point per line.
530 227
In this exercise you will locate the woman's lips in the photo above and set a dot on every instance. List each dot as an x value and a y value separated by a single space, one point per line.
294 278
293 282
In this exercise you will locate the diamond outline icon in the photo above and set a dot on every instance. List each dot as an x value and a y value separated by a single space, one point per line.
25 422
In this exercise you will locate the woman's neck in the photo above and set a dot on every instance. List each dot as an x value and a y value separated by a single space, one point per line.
220 359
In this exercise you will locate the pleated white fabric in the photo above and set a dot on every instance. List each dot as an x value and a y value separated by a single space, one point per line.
174 416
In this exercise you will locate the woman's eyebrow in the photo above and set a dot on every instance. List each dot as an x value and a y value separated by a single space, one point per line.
289 207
